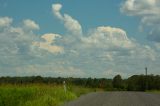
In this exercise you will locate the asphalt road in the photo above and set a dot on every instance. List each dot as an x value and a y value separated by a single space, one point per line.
117 99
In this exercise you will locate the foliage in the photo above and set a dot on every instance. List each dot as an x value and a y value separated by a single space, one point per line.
34 95
143 83
79 90
117 82
133 83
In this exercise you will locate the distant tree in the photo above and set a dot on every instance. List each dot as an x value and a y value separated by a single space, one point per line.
133 83
38 79
117 82
138 83
89 82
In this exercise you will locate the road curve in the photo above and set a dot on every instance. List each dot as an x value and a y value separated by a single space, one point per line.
117 99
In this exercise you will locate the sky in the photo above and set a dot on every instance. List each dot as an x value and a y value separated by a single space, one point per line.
79 38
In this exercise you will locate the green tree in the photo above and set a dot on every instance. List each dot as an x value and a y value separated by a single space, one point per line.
117 82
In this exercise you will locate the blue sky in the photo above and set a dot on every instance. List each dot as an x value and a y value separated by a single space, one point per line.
89 13
79 38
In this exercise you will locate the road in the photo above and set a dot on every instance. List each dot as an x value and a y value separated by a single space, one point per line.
117 99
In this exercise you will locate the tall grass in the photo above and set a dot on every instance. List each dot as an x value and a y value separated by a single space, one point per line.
80 90
34 95
154 91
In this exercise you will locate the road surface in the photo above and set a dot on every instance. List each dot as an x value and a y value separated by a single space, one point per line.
117 99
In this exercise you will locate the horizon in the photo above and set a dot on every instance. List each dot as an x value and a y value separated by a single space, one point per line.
81 77
80 39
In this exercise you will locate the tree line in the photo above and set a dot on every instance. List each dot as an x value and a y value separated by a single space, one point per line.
133 83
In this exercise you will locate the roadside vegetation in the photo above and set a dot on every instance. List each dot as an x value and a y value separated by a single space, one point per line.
154 91
133 83
34 95
47 91
39 94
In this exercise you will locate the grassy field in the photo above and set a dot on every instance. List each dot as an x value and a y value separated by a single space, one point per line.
39 94
154 91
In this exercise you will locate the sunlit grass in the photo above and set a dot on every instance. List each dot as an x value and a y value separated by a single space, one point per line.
39 94
34 95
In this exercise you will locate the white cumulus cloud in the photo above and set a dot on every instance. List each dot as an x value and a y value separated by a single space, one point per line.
70 24
107 37
101 52
48 44
30 24
56 10
148 11
5 21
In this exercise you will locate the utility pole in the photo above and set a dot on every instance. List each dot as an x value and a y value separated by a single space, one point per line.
146 70
64 86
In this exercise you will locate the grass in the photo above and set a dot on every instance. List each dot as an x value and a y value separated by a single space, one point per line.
34 95
79 90
39 94
154 91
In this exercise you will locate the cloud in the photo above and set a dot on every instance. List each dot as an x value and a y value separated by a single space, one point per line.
154 34
56 10
103 51
140 7
148 11
16 44
30 24
49 70
72 25
108 46
15 47
107 37
5 21
110 73
48 44
50 37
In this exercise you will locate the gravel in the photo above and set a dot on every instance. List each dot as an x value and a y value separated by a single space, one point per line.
117 99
